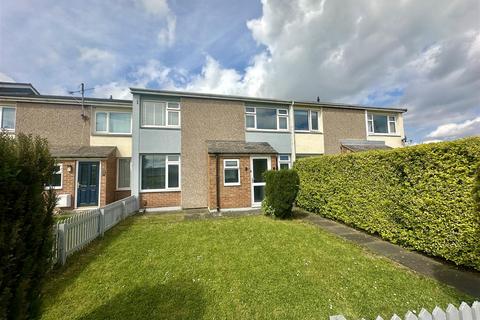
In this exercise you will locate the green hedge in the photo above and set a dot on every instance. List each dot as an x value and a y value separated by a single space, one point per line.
425 197
280 192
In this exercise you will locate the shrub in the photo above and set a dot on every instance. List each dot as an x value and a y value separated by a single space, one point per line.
422 197
280 192
25 223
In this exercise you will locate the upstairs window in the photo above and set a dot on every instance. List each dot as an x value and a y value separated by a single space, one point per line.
160 114
266 118
306 120
110 122
231 172
381 124
7 119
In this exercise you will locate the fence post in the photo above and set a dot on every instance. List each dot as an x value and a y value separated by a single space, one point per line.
102 222
62 250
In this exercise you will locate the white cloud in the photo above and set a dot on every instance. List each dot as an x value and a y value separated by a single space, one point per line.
6 78
100 63
157 7
166 36
160 8
456 130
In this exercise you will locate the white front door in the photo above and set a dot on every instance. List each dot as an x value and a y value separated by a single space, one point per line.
259 166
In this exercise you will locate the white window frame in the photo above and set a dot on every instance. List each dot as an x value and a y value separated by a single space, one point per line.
167 162
369 118
108 123
60 171
14 118
309 114
167 109
278 115
288 162
237 167
118 175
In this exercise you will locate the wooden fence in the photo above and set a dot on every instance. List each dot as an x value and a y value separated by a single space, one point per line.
76 232
464 312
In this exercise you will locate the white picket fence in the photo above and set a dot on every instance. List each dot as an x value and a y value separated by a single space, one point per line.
464 312
76 232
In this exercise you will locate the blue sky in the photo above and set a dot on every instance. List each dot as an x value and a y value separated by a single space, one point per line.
379 53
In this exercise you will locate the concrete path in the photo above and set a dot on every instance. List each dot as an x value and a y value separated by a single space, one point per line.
466 281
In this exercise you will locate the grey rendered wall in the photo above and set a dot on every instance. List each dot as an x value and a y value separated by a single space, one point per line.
202 120
159 140
280 141
342 124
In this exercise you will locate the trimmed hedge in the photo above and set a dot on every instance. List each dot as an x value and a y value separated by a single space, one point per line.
280 192
25 224
425 197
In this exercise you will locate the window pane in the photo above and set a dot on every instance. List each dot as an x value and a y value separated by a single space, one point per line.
283 166
173 175
259 168
284 158
266 118
301 120
282 123
314 120
231 176
8 118
174 105
370 126
392 127
173 158
160 113
120 122
231 163
148 113
173 117
250 121
101 122
153 172
282 111
258 193
249 109
380 124
124 173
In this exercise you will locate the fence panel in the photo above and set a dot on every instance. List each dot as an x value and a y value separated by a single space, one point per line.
76 232
464 312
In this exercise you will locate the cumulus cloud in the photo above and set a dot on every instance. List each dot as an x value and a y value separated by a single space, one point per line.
6 78
99 62
157 7
456 130
166 36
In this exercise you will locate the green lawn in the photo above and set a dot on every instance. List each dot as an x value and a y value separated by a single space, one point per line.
159 267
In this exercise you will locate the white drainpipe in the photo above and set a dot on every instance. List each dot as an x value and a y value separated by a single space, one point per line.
292 131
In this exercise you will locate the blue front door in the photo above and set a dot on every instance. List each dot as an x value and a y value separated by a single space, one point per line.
88 174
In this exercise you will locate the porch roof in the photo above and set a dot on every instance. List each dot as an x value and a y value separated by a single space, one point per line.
363 145
239 147
81 152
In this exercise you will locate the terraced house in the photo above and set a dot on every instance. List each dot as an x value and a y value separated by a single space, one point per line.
186 150
192 150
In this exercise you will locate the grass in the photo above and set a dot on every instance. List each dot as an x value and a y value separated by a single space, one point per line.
161 267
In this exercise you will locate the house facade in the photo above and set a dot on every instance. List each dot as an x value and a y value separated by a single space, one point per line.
192 150
91 142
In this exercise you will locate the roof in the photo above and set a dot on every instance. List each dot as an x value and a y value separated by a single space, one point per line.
17 89
363 145
81 152
239 147
259 100
67 100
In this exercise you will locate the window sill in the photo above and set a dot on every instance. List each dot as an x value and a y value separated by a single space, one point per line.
123 189
232 184
105 134
54 188
267 130
160 190
384 135
160 127
309 132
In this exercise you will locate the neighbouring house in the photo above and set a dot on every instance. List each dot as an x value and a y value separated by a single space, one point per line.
91 143
194 150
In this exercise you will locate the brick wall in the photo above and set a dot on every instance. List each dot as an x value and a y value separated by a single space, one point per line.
122 194
68 182
160 199
232 196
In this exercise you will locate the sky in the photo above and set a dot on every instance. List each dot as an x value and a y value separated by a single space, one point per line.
420 55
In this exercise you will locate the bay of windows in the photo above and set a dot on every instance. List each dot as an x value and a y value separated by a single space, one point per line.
7 118
110 122
381 123
266 118
160 172
160 114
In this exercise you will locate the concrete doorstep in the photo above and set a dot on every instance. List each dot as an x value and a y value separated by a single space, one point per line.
466 281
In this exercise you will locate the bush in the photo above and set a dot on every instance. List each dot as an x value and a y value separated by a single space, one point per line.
422 197
280 192
25 223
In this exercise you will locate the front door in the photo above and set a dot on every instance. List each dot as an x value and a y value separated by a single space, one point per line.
88 176
259 166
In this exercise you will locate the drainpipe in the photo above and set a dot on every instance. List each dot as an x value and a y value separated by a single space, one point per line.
292 130
217 159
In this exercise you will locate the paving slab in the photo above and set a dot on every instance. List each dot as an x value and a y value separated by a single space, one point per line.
463 280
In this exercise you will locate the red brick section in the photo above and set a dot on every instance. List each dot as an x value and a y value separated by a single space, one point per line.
232 196
68 183
160 199
122 194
